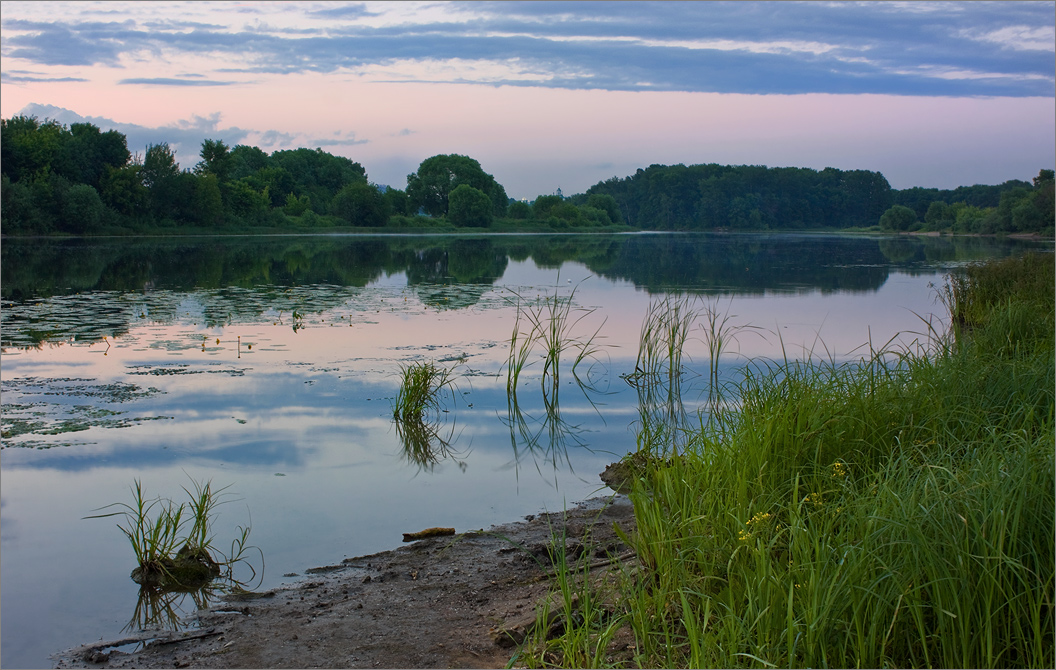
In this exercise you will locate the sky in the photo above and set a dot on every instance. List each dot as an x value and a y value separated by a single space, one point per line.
549 95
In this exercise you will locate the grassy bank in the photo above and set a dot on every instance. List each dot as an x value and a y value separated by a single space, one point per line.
894 511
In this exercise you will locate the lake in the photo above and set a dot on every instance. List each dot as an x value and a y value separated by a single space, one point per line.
270 365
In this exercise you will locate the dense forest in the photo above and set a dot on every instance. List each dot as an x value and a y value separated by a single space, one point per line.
80 180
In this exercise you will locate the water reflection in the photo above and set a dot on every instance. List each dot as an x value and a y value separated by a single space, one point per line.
62 290
167 609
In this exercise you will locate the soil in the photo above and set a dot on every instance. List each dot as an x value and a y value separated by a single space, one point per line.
463 600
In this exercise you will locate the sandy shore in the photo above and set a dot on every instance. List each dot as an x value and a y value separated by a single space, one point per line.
454 601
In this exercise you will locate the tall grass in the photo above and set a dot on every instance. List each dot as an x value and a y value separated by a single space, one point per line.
548 329
169 555
552 322
421 391
893 511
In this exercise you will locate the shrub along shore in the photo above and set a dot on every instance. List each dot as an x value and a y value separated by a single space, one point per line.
895 511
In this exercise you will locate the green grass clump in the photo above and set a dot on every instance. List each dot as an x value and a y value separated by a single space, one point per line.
421 391
895 511
417 411
170 556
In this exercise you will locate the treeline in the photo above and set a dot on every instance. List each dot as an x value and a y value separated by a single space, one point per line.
80 180
1012 207
748 197
753 197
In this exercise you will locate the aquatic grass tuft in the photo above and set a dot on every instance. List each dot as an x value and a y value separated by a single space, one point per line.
551 324
421 390
417 409
168 556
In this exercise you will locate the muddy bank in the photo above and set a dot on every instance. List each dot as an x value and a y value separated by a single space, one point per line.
460 600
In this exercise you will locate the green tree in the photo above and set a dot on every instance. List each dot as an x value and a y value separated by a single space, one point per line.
208 207
216 160
123 191
469 207
544 205
246 202
81 209
938 215
296 206
898 218
398 201
86 153
18 213
519 210
160 173
606 202
430 187
361 204
317 174
28 147
246 160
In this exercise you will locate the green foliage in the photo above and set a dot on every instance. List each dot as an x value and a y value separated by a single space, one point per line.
43 159
706 197
421 391
82 210
29 147
216 160
544 205
296 206
430 187
606 203
360 204
399 203
122 189
85 153
208 207
167 553
519 210
468 206
894 511
898 219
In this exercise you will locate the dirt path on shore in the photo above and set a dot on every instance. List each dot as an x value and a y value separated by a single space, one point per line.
450 601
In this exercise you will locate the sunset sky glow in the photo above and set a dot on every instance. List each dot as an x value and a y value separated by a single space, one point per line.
554 94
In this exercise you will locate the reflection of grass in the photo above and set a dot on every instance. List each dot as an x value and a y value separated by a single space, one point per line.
550 326
659 370
423 444
546 439
417 409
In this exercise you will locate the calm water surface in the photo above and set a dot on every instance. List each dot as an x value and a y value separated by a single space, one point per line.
270 365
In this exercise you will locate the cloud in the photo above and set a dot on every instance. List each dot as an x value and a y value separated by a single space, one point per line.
30 78
342 12
185 137
753 47
274 138
169 81
335 142
1020 38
